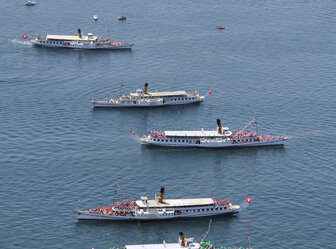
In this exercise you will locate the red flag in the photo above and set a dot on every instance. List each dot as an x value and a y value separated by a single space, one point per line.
248 200
210 91
24 36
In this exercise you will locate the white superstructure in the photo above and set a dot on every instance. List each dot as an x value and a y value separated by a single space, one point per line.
79 42
160 209
143 98
220 138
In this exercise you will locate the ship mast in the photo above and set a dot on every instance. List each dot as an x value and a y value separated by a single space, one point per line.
121 85
59 29
174 83
255 121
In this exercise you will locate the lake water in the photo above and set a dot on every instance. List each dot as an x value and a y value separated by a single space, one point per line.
275 58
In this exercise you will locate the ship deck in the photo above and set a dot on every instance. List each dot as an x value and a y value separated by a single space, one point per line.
167 94
71 38
201 133
175 203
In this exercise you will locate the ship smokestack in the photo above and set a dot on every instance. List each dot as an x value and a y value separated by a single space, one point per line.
161 195
80 34
145 88
181 239
219 126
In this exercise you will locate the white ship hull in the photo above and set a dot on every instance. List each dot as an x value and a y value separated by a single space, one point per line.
82 46
107 104
85 215
214 144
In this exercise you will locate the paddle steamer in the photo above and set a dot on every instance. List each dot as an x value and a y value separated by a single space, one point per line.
143 98
220 138
160 209
79 42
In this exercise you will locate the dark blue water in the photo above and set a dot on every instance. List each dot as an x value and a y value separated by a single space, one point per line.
276 58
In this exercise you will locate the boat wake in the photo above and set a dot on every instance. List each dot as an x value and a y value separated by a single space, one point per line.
137 139
17 41
307 133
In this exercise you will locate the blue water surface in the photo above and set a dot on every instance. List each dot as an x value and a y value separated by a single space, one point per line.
275 58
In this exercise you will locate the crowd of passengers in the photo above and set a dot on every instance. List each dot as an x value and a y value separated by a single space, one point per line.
156 133
222 202
263 138
119 208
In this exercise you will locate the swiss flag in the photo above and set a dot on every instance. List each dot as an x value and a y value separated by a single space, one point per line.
210 91
24 36
248 200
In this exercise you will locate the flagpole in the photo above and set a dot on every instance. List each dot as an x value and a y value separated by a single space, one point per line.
174 83
59 29
255 121
121 85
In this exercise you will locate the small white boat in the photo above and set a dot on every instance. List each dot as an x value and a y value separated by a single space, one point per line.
29 3
182 243
95 17
122 18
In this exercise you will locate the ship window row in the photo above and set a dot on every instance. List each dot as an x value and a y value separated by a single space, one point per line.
170 140
183 98
144 215
204 209
50 42
243 140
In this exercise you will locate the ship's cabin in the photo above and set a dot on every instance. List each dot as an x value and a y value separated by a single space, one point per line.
166 96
